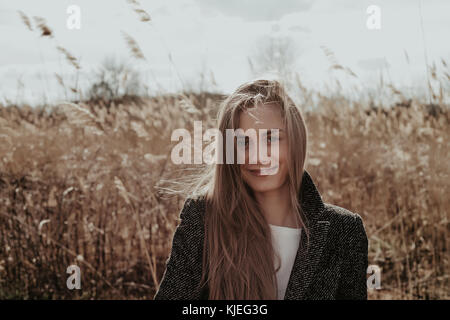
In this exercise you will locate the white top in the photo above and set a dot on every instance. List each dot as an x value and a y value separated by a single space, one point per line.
285 242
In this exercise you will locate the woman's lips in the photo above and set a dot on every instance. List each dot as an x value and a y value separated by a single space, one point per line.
262 172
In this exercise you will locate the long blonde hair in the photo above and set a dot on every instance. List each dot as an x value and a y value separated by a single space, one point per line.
237 255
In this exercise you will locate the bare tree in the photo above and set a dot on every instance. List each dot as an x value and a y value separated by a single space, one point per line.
274 55
115 79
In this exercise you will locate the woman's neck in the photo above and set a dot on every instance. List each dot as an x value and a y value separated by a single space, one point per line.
276 206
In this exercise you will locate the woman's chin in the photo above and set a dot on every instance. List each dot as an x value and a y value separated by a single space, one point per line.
261 186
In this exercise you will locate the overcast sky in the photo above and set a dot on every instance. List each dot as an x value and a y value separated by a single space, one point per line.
218 37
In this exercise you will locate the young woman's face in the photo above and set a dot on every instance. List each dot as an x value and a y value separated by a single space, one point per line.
265 176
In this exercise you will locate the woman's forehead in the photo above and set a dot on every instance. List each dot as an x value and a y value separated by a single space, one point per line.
261 116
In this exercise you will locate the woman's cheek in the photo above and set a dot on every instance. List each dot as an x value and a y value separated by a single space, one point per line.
282 154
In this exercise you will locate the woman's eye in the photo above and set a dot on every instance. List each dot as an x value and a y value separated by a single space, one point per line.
272 139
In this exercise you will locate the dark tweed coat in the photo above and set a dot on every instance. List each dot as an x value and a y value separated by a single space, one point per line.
334 266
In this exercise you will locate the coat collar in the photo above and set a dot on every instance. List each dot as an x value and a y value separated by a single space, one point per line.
307 257
310 198
308 254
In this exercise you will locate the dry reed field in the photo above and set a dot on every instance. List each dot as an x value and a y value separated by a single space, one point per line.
81 184
86 183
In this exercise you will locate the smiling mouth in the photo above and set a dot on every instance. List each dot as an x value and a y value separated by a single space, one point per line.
262 172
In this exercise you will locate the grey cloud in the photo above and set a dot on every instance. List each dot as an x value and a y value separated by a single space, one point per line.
8 17
262 10
373 64
298 28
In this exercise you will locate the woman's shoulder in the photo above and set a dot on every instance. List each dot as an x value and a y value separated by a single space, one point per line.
338 214
193 209
349 224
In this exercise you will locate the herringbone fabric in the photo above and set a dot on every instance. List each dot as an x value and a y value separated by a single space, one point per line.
332 266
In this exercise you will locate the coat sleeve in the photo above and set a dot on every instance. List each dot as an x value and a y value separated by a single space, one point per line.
184 267
353 281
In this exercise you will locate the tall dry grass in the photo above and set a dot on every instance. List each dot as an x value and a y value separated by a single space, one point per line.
81 184
78 186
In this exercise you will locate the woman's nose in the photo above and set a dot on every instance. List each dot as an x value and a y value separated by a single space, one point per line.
258 153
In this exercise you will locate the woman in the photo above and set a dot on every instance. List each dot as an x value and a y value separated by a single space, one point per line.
255 233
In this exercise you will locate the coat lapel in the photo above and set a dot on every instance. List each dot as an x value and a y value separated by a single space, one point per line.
308 254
